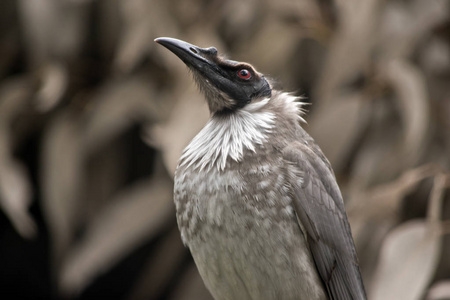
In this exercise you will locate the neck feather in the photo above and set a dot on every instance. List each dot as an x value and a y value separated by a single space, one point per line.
229 135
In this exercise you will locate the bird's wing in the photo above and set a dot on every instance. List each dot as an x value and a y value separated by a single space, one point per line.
320 209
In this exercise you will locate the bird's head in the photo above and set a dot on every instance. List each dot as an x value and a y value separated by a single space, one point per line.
228 85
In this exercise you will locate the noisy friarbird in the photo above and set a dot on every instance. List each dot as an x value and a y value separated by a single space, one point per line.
257 202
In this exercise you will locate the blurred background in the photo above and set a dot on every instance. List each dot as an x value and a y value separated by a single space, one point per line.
94 115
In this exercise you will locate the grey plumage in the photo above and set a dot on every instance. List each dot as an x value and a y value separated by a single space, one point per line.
257 202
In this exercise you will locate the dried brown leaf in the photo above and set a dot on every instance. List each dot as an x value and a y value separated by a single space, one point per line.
338 126
411 253
408 260
435 57
187 118
110 30
143 22
405 24
133 217
384 200
276 57
166 259
15 195
302 9
374 213
412 98
436 198
53 28
53 83
382 203
191 287
15 186
61 180
350 49
235 15
439 291
115 108
378 159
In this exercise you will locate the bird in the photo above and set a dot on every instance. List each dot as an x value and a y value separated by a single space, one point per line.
257 202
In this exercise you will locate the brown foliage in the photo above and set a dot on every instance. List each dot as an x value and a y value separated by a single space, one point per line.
94 115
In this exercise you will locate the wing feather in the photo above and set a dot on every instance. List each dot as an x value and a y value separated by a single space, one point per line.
319 206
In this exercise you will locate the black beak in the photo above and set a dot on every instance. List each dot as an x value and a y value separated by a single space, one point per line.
191 55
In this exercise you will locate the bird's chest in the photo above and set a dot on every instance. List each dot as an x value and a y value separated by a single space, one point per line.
242 230
243 197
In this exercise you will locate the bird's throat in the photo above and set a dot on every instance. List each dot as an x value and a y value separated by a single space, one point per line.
227 136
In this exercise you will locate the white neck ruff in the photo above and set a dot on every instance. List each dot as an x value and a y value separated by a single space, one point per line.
228 136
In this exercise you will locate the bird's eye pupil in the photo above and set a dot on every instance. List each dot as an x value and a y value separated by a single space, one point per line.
244 74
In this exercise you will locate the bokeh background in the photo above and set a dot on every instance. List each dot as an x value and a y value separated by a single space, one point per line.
94 115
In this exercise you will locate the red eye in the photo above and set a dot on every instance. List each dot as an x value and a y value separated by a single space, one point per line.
244 74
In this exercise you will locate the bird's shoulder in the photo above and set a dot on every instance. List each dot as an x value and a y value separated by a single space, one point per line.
307 163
